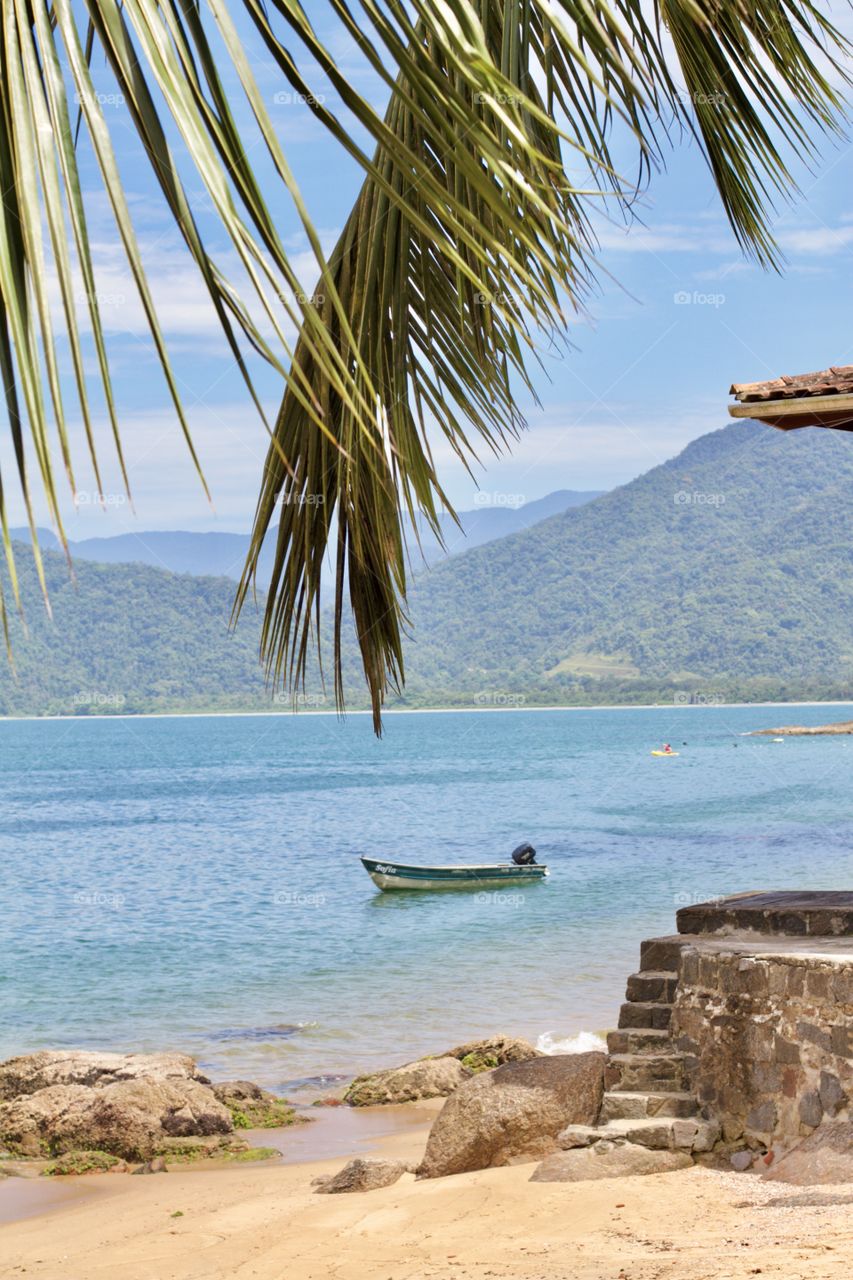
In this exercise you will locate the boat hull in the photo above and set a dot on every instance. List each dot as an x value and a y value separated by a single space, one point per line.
390 876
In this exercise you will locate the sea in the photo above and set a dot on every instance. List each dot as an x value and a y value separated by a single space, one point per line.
194 883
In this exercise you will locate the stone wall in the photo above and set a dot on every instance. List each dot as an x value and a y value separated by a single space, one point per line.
769 1041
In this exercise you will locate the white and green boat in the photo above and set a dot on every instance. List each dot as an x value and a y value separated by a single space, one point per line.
404 875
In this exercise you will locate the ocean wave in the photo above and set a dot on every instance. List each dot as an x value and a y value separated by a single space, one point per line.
583 1042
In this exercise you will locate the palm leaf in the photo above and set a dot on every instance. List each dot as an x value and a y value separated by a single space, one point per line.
500 103
473 230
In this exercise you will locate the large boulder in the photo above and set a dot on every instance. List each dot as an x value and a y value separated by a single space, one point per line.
608 1160
427 1078
826 1156
129 1118
363 1175
514 1113
34 1071
482 1055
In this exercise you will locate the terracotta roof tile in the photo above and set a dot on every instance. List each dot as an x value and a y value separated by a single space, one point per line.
837 380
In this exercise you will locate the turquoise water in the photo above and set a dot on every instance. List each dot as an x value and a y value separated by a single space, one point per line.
194 883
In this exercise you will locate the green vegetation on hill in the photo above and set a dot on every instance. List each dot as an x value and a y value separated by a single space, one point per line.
725 574
127 638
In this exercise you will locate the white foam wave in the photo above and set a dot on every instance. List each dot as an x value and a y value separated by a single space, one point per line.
583 1042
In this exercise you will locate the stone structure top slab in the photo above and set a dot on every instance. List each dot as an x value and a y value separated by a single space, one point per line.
834 950
821 913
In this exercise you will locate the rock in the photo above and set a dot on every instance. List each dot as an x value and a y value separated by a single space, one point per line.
483 1055
825 1156
362 1175
741 1161
80 1162
832 1095
35 1071
127 1119
811 1109
578 1135
619 1160
252 1107
427 1078
514 1113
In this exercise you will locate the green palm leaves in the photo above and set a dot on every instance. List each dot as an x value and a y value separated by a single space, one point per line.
472 232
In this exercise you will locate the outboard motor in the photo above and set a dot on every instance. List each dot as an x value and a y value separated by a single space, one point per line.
524 855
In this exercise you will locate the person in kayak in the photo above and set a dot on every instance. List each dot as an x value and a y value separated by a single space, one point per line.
667 749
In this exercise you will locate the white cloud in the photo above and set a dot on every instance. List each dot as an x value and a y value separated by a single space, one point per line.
816 240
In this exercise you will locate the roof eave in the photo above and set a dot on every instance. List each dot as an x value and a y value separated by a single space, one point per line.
833 411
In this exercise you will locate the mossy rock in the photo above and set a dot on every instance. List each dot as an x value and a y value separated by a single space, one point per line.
189 1150
252 1107
195 1150
253 1153
274 1114
426 1078
77 1162
480 1061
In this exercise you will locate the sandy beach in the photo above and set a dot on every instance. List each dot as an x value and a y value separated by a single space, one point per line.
267 1223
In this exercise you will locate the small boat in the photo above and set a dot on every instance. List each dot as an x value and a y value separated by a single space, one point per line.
403 875
664 753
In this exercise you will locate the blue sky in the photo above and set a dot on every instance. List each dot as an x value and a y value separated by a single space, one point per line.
679 314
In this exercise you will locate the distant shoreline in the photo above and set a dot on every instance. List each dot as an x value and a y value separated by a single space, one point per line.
426 711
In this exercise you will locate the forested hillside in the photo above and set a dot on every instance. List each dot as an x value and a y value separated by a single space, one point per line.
728 568
726 573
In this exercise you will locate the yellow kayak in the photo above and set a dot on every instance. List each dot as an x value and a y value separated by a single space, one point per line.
664 753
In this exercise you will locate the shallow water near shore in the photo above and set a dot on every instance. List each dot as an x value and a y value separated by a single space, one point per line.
194 883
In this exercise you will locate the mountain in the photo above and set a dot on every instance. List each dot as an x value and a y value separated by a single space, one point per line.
502 515
225 553
127 638
726 573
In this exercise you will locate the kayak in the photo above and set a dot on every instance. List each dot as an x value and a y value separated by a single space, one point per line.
664 753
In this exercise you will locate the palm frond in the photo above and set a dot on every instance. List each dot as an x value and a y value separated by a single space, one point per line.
474 228
449 263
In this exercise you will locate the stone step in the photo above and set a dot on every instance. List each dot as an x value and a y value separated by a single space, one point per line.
661 953
645 1072
645 1014
645 1106
638 1040
652 985
658 1134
